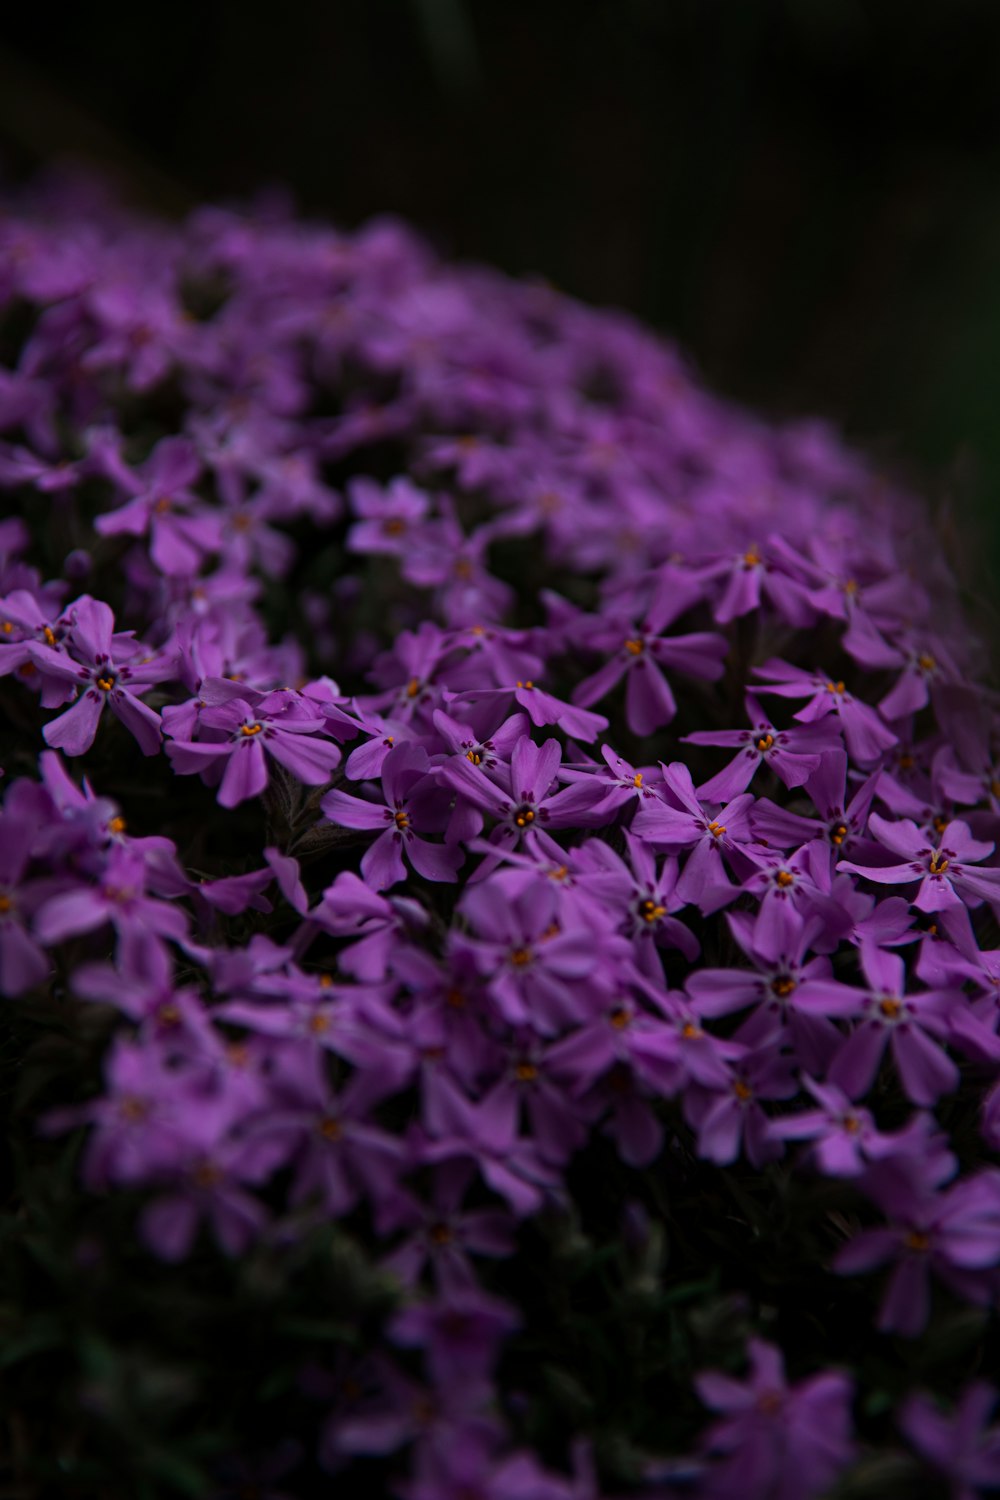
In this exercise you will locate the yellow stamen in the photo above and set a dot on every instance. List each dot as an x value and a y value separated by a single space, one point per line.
716 830
525 816
520 956
559 873
742 1090
393 526
765 743
751 558
6 905
413 687
838 834
890 1007
318 1024
938 864
620 1017
851 1124
525 1072
401 820
325 981
7 627
105 684
939 825
474 756
48 634
783 986
918 1241
250 729
690 1032
649 911
634 647
784 878
835 687
926 662
529 684
116 825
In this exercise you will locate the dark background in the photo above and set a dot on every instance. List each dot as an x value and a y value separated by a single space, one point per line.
806 193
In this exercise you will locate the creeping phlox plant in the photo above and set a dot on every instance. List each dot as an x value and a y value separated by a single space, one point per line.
498 900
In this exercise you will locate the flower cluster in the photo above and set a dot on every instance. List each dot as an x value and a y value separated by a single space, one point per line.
520 744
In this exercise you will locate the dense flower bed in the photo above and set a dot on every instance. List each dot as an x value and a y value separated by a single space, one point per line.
497 899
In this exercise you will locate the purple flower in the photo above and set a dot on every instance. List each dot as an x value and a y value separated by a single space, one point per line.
775 1441
23 963
105 672
955 1233
866 736
962 1448
119 897
945 873
682 821
843 1137
182 531
443 1234
525 804
248 729
729 1117
907 1024
536 952
792 754
460 1331
641 653
413 804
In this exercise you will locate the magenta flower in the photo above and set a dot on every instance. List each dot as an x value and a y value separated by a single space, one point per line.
413 804
105 672
120 898
534 951
792 754
954 1233
182 530
866 735
714 835
775 1441
642 651
281 724
946 872
962 1448
911 1025
523 802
